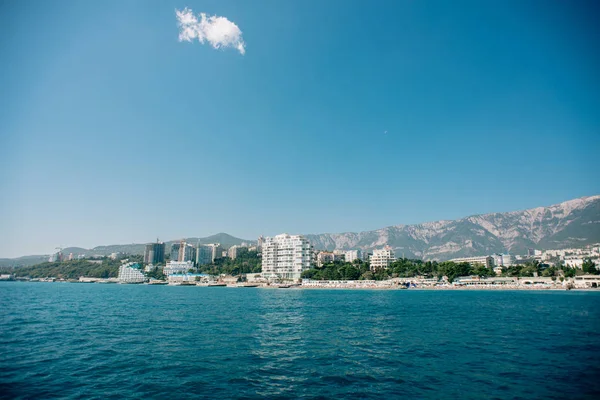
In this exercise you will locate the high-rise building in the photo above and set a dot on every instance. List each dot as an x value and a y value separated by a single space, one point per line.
183 251
154 253
259 243
204 254
217 251
286 256
382 258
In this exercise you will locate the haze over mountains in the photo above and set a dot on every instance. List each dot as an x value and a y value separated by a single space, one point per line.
573 223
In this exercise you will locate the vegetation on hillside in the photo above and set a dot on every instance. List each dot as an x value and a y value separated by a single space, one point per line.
245 262
71 269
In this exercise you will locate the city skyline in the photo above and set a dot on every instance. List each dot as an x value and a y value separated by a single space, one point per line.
114 130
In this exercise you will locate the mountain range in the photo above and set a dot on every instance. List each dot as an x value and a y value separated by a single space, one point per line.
573 223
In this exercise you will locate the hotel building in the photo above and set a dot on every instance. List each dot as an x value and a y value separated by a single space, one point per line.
286 257
381 258
131 273
177 267
486 261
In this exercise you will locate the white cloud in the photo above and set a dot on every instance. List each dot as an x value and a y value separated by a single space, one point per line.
218 31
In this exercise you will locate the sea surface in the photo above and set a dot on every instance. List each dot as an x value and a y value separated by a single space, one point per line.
62 340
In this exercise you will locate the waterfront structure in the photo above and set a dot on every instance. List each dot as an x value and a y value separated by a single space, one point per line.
382 258
131 273
177 267
183 251
352 255
286 257
154 253
184 278
587 281
486 261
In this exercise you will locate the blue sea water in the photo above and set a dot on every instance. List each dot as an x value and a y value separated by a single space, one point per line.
61 340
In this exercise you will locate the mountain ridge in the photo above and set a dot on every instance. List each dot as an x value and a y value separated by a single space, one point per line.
573 222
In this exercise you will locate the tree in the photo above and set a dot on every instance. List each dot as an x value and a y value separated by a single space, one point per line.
589 267
367 276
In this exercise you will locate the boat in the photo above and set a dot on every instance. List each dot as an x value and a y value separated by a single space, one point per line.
246 285
216 284
158 282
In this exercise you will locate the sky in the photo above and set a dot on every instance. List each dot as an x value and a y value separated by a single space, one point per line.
124 121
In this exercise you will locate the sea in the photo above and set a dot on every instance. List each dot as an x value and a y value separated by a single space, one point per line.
66 340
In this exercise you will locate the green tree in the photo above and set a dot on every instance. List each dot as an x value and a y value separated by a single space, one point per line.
589 267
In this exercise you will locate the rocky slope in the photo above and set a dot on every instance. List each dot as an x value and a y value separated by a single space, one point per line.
572 223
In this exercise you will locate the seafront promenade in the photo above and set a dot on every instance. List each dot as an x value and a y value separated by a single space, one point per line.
589 282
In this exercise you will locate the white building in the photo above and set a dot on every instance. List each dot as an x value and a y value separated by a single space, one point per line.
187 278
587 281
131 273
574 261
382 258
504 260
324 257
286 256
486 261
352 255
177 267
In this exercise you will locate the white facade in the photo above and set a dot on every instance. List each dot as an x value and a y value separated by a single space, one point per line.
131 273
187 278
382 258
177 267
352 255
486 261
587 281
574 261
286 256
504 260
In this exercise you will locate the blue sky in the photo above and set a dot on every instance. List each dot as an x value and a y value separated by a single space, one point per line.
114 131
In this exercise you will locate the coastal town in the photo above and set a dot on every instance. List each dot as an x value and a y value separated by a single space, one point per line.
290 261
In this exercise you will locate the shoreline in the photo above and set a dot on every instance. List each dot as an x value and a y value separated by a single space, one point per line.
375 287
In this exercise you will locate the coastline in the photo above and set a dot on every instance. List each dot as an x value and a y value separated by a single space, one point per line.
340 286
